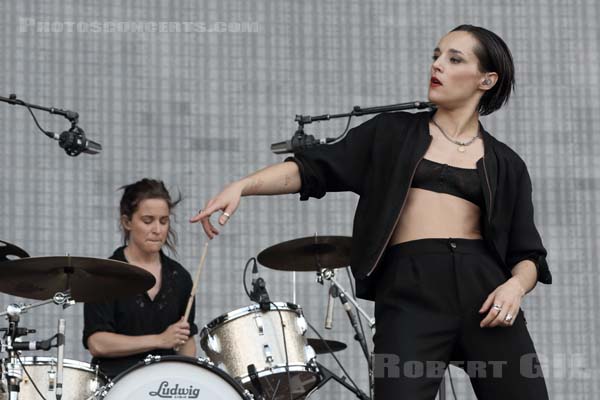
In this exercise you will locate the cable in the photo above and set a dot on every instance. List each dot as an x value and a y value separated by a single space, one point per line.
29 376
244 276
47 133
334 356
343 135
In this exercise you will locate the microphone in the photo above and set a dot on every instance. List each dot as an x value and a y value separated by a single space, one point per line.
259 290
297 143
354 322
32 345
60 354
333 293
74 142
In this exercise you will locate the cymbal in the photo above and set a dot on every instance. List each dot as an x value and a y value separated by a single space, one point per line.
9 249
87 279
308 254
320 348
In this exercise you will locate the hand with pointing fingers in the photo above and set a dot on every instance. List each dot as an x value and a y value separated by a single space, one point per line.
227 201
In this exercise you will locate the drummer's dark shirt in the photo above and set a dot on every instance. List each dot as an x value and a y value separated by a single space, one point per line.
138 315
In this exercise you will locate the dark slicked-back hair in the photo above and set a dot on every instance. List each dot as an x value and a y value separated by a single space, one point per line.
494 56
135 193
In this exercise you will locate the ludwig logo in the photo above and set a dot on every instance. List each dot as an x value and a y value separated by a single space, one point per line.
165 391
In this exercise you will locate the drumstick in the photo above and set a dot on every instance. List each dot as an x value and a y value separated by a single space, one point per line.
188 309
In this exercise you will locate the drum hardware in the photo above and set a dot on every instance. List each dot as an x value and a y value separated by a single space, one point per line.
12 345
327 376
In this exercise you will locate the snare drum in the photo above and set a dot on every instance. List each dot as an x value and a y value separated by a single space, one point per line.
80 380
173 377
248 344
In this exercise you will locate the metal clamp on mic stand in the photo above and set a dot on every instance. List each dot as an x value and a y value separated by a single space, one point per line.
73 141
259 292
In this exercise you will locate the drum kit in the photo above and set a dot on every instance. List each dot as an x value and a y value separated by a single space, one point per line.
256 352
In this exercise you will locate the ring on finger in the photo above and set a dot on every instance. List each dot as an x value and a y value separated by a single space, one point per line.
508 317
497 307
225 214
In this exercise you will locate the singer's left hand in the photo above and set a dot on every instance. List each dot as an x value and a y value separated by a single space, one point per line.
503 304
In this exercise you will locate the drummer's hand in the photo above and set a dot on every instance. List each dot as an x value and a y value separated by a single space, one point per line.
227 201
503 304
175 335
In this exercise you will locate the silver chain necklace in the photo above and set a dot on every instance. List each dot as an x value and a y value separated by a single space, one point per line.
461 145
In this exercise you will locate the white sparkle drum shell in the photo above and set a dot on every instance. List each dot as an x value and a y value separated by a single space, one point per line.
249 336
173 377
80 380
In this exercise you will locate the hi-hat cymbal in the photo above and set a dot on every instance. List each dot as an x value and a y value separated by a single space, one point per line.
87 279
321 348
8 249
308 254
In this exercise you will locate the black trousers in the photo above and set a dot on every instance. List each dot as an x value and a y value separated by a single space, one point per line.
429 293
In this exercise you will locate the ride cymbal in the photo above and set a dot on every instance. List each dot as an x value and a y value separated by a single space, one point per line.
308 254
87 279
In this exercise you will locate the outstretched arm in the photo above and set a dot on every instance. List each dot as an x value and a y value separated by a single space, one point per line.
282 178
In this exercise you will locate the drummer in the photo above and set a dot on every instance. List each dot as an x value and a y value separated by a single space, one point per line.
120 333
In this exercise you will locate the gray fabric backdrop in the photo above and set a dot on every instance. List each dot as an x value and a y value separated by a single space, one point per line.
197 103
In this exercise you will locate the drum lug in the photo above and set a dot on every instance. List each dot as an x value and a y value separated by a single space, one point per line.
151 359
312 364
268 354
213 343
103 391
309 353
51 379
259 324
301 324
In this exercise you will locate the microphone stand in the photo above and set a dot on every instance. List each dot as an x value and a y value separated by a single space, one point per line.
329 274
71 140
301 140
13 371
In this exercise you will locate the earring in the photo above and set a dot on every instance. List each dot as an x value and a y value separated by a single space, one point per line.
487 82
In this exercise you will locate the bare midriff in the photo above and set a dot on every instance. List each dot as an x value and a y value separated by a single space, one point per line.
429 214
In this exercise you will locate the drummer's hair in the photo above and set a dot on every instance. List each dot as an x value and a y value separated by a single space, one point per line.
135 193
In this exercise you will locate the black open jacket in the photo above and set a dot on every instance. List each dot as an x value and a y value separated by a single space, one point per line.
377 160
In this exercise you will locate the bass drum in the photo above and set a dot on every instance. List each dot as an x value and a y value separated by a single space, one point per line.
173 377
80 380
